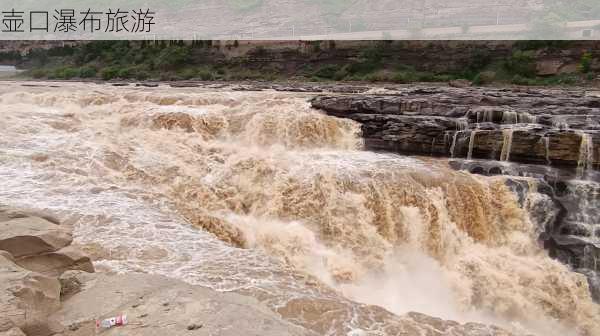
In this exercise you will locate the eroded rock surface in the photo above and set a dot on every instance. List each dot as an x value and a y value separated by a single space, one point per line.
26 299
34 250
554 127
28 236
57 262
157 305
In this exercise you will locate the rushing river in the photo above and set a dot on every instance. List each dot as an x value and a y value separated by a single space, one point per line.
255 192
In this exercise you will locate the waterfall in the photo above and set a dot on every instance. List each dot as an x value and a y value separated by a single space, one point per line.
257 193
510 117
546 140
461 125
471 144
586 155
485 116
514 117
507 137
559 122
453 146
526 118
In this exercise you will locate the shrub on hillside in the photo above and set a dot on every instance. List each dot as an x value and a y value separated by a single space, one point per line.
64 73
521 63
109 73
188 74
39 73
87 72
205 74
173 56
327 72
484 77
585 64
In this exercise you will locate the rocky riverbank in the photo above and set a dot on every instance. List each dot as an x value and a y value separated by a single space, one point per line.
48 287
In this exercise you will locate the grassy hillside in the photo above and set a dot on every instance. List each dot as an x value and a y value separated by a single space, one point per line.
383 61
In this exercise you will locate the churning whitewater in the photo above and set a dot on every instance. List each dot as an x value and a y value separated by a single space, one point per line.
255 192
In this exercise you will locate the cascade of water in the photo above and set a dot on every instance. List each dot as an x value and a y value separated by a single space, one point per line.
586 155
461 125
546 140
485 116
285 185
453 146
559 122
507 135
471 144
510 117
526 118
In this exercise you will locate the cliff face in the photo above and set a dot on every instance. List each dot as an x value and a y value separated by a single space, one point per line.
553 127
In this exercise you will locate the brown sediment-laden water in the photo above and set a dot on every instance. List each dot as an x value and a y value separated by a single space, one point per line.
258 193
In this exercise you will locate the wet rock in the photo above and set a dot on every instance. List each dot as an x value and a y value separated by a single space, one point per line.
184 85
348 89
151 85
593 282
297 89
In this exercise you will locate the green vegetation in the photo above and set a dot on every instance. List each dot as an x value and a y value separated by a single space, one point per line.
585 65
10 56
521 63
381 61
566 79
485 77
116 60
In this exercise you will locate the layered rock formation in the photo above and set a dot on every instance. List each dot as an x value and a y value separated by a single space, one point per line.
29 295
554 127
